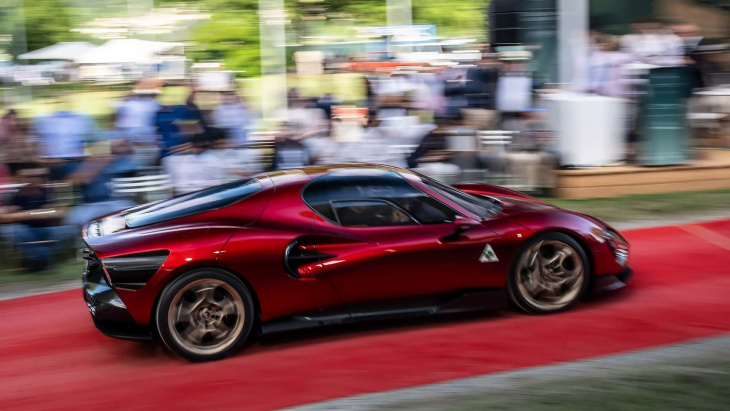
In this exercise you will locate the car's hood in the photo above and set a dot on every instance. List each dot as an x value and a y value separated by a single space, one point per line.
512 202
513 205
514 208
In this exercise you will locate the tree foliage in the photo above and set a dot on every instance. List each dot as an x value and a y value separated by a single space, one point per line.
455 18
30 25
232 34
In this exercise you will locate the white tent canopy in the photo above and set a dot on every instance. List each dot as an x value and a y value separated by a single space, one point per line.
129 51
60 51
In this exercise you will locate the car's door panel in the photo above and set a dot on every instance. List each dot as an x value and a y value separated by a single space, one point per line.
257 253
394 240
395 262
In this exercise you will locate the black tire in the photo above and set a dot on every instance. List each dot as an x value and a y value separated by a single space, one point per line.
516 293
218 280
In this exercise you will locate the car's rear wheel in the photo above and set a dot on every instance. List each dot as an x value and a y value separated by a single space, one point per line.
205 315
549 274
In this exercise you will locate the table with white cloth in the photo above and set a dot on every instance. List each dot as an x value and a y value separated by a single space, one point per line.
590 129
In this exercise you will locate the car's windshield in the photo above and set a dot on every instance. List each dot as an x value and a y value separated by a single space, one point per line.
193 203
484 208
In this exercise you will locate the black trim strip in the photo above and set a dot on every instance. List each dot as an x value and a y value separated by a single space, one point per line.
132 271
450 303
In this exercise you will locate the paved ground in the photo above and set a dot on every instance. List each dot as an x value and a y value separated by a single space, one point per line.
660 220
54 358
17 290
433 396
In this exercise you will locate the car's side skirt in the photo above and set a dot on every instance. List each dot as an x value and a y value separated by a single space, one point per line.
456 302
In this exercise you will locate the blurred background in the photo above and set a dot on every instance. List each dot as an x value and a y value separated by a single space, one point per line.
110 103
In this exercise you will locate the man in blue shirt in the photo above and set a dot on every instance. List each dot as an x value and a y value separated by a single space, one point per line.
62 136
177 125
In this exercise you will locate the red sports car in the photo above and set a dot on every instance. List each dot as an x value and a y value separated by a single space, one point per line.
325 245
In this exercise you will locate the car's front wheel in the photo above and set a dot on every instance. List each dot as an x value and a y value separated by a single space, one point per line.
550 274
205 315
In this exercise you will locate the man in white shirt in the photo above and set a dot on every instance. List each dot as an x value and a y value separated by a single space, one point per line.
653 43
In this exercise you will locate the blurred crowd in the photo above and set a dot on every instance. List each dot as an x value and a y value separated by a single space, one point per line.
476 122
613 68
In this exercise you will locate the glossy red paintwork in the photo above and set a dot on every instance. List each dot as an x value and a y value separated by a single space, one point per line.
249 239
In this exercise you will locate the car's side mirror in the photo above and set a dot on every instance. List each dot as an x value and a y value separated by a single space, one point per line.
463 224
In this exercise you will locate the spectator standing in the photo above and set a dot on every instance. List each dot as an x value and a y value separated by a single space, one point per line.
691 40
454 86
134 120
232 116
135 115
62 137
606 73
431 157
304 114
651 42
480 90
289 152
178 124
9 130
16 149
514 86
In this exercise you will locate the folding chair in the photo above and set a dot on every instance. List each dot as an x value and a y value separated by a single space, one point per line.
493 146
143 189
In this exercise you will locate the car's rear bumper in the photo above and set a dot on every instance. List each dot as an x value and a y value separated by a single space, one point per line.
607 283
108 311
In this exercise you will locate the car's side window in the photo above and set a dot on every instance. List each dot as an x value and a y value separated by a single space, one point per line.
377 190
369 213
425 209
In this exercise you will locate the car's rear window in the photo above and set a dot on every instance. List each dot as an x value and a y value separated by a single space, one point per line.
193 203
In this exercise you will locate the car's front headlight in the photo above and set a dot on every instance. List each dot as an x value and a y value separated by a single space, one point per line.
112 225
94 229
619 246
109 225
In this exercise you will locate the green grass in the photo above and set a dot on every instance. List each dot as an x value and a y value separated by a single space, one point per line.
649 206
697 384
65 271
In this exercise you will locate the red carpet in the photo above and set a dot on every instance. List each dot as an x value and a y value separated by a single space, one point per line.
52 357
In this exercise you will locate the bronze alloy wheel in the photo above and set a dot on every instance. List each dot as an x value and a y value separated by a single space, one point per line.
550 274
205 315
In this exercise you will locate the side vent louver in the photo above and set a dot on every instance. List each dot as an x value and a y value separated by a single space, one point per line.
298 255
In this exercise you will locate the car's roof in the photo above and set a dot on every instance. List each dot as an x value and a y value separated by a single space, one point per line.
306 174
